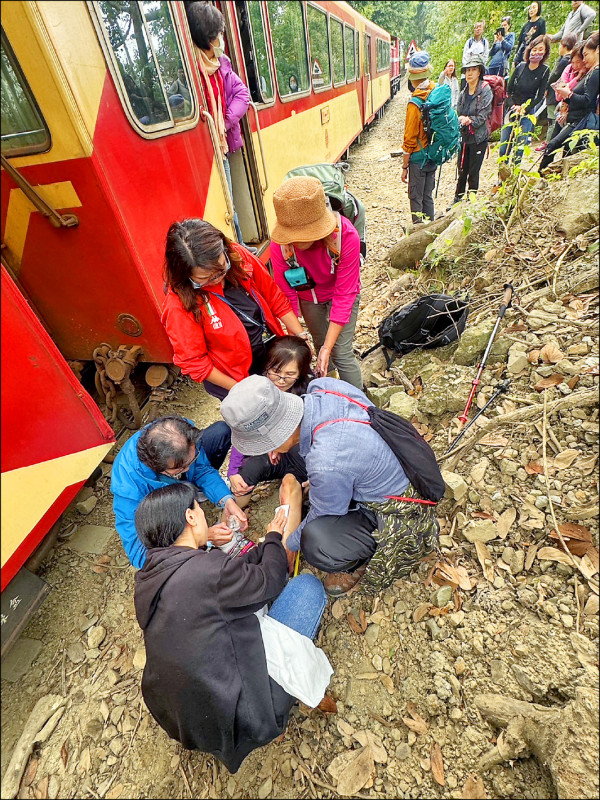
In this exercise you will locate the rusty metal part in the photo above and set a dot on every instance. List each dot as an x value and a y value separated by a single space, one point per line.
113 370
156 375
77 367
45 209
129 325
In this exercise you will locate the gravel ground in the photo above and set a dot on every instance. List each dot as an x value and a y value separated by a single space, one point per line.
527 629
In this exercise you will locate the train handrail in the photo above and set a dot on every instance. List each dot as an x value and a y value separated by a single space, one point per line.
262 151
215 137
45 209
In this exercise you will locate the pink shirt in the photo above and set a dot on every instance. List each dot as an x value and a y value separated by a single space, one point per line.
570 77
341 285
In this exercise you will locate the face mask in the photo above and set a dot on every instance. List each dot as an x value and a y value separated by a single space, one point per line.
219 48
535 58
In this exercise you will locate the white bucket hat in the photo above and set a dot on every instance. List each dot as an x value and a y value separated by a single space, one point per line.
260 415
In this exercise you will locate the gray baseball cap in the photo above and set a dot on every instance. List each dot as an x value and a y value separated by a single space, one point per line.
260 415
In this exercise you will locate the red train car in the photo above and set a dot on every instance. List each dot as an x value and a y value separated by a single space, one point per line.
97 161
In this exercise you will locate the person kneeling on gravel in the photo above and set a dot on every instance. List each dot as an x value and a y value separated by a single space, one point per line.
168 450
222 672
360 525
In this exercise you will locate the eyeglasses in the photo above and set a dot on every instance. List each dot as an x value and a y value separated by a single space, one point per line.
214 276
184 469
278 377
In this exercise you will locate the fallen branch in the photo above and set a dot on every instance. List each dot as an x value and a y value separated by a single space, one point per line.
39 726
581 399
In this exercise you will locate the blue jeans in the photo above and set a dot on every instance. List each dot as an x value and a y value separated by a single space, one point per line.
301 604
522 133
236 222
216 441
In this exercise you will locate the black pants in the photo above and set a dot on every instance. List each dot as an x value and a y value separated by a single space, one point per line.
558 140
255 469
469 166
340 543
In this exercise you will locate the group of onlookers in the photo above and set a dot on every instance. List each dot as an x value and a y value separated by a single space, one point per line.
569 94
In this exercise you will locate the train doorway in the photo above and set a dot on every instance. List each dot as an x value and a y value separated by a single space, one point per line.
248 170
367 88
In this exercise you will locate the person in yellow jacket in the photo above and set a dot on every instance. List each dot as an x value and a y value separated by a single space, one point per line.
421 180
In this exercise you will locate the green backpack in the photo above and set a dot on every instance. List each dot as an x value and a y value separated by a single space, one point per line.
341 200
441 127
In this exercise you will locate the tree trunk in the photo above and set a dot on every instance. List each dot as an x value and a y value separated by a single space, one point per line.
564 740
411 249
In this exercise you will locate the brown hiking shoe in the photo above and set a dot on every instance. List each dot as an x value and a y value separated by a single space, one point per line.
338 583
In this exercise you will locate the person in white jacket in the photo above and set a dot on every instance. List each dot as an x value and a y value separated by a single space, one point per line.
477 45
578 21
448 75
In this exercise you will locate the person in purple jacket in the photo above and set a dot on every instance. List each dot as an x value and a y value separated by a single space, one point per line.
227 95
315 254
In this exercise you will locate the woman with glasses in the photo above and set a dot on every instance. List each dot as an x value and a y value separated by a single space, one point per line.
288 367
222 307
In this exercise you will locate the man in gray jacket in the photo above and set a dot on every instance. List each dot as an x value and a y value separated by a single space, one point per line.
578 21
364 518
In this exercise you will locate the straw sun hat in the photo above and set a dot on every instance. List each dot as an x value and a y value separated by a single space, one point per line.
302 212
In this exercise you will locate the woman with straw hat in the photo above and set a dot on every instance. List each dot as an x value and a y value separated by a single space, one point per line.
316 262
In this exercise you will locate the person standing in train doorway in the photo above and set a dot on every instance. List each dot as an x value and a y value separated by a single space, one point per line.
420 179
227 96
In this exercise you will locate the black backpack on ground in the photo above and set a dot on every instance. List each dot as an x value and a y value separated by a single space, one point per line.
416 457
431 321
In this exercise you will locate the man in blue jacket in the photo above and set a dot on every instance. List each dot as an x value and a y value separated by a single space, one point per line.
167 450
365 520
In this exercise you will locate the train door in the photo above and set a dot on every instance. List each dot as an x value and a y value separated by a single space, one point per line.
367 87
247 49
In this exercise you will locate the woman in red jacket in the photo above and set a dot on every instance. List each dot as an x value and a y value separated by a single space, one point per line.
222 306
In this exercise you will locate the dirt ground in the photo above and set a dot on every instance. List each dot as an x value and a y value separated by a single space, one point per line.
499 639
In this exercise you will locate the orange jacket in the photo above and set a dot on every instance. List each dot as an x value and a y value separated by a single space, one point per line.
414 132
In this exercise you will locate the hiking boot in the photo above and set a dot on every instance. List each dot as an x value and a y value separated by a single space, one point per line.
327 705
338 583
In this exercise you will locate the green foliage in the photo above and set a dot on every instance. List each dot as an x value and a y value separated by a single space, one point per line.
444 27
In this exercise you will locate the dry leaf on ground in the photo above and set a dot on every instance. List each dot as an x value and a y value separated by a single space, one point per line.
30 772
554 554
41 790
551 354
565 458
352 770
586 465
530 557
358 626
337 610
115 793
505 521
368 739
534 468
415 721
485 559
546 383
533 357
570 530
420 612
474 788
344 728
437 764
64 754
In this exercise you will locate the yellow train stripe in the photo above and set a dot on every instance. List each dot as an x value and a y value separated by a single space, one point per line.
59 195
329 141
27 493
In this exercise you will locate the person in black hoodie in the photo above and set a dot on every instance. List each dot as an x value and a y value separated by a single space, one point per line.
206 681
534 27
581 101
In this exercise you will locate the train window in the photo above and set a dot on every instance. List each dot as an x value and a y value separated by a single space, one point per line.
148 63
357 52
289 46
318 37
257 27
367 55
23 128
337 51
383 55
350 55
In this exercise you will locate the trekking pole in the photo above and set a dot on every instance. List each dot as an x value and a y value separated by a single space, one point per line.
437 188
500 389
506 301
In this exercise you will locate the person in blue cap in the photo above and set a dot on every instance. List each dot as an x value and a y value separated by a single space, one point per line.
421 180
